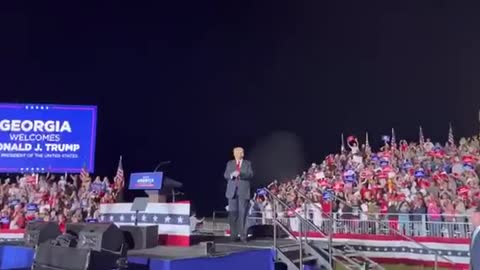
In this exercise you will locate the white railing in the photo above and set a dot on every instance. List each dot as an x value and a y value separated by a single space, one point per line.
450 226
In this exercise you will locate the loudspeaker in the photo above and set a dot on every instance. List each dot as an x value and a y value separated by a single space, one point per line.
100 236
140 237
75 228
280 266
67 258
264 231
65 240
38 232
210 248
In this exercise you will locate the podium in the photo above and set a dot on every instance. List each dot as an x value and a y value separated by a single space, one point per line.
155 184
156 196
168 189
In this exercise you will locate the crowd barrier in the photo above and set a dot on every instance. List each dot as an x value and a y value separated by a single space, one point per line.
446 226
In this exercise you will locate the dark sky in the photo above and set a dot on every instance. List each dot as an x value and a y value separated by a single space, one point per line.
187 81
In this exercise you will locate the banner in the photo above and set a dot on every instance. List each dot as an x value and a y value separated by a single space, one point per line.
398 250
385 249
145 181
47 138
173 219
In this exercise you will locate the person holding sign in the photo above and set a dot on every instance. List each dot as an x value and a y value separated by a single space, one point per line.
238 174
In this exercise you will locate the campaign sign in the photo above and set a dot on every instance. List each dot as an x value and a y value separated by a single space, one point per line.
47 138
97 187
149 180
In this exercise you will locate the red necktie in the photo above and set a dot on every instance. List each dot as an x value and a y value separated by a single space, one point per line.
238 166
238 170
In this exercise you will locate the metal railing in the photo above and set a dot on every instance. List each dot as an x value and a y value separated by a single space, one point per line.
334 255
406 224
372 218
278 222
330 217
398 224
351 225
413 225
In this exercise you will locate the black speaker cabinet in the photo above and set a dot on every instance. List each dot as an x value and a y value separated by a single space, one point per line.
39 232
280 266
210 248
67 258
140 237
100 236
75 228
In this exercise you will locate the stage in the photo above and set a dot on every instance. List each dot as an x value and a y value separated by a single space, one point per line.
195 257
257 254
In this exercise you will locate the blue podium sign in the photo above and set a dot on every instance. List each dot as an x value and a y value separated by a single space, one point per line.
146 181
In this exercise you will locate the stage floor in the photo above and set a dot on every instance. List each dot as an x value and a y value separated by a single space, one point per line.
257 255
223 247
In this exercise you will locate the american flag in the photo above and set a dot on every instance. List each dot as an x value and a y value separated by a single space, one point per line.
84 175
421 139
367 143
451 139
119 177
393 140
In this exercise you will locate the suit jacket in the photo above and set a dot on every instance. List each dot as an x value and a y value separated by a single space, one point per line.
246 175
475 250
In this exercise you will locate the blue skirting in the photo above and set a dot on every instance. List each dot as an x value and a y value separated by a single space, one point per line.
16 258
254 259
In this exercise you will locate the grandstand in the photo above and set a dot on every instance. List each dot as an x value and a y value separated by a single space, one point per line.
418 188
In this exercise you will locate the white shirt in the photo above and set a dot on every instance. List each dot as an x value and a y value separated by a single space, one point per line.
14 226
317 214
239 163
193 223
268 211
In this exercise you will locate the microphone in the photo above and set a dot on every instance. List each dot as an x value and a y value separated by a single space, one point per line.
162 163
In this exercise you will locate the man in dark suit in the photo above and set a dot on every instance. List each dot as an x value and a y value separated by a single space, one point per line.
238 174
475 242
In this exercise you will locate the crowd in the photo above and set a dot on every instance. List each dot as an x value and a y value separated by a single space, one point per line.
62 199
415 187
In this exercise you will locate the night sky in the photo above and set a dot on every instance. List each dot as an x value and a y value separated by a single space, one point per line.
187 81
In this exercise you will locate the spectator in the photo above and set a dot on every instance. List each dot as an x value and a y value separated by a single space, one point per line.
418 216
42 197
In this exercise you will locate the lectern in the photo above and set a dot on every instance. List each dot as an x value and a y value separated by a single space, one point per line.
157 186
150 182
168 189
155 196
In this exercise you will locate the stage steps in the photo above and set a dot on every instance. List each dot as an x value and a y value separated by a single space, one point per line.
291 256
